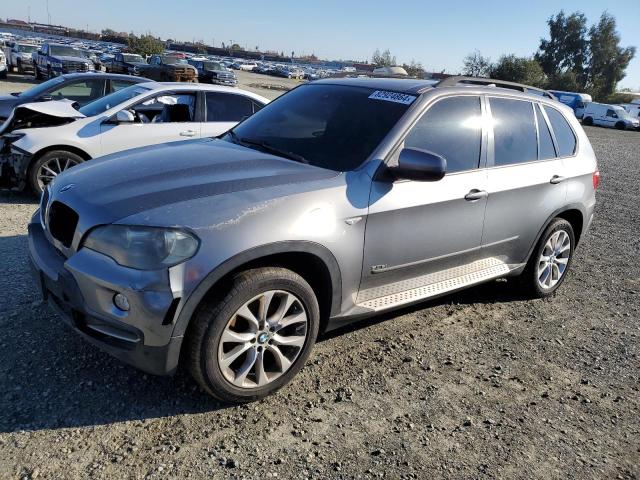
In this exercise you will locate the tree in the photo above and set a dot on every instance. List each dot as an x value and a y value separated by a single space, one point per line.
475 65
384 59
567 49
608 59
519 69
145 45
414 69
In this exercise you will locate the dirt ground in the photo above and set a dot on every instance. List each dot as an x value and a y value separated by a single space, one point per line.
479 384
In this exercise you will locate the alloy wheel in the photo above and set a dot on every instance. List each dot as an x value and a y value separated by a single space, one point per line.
554 259
263 339
52 168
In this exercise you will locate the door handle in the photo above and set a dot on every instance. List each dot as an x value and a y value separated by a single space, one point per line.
557 179
476 194
188 133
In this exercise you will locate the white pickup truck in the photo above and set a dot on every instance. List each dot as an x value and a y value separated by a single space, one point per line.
20 56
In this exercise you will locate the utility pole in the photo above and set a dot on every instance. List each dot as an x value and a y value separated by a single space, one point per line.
29 13
48 14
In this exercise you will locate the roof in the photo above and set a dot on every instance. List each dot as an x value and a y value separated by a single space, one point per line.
111 76
202 87
400 85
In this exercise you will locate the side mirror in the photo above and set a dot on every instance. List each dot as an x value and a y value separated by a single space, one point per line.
124 116
420 165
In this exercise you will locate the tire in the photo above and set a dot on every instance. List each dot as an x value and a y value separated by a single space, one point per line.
205 347
620 126
588 121
19 67
49 75
3 74
36 72
530 279
65 159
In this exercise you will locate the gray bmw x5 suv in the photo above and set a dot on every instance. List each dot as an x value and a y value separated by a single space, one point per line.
341 199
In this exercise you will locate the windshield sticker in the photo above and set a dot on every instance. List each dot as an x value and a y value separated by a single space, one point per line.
392 97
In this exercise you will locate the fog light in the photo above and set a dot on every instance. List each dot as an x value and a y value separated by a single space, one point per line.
121 301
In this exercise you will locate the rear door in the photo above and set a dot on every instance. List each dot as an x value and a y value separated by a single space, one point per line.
526 181
224 110
164 117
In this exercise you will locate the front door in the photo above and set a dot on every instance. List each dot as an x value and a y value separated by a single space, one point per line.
166 117
416 229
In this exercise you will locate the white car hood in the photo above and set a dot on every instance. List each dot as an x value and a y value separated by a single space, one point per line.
57 109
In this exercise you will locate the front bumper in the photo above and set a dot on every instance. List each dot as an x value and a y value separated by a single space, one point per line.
81 289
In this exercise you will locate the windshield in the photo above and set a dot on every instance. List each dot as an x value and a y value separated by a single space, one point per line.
131 58
622 113
42 88
213 66
62 51
330 126
27 48
105 103
173 60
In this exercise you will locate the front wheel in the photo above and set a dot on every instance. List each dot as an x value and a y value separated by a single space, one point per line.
251 341
620 126
588 121
550 261
49 166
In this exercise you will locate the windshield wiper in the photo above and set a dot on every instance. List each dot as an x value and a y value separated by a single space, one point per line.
275 150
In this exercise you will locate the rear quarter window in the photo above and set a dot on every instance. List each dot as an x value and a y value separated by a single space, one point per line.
514 131
565 138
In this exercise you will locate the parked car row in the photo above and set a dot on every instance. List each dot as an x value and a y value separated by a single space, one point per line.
622 117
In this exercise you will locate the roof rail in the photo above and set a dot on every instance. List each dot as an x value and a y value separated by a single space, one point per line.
461 80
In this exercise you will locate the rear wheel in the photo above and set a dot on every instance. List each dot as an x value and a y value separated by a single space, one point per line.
249 342
587 121
49 166
550 261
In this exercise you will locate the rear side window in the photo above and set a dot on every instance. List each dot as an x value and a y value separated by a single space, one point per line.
120 84
565 138
224 107
545 143
514 131
451 128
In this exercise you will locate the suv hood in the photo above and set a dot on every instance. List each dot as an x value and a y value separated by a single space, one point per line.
127 183
66 58
41 114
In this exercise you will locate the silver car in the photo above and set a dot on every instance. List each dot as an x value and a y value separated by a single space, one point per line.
341 199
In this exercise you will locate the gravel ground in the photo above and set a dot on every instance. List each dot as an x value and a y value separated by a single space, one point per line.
480 384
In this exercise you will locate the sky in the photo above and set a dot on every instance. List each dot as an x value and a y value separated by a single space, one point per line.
438 34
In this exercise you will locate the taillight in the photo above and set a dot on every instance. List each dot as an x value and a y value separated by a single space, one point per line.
596 179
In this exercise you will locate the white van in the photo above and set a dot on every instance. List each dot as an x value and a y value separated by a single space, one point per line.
612 116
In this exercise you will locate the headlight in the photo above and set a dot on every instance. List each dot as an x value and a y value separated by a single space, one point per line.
143 248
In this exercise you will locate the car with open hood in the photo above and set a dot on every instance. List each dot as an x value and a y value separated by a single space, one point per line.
81 88
341 199
40 140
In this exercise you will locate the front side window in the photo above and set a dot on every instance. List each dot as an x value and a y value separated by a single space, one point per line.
224 107
514 131
452 128
611 113
331 126
82 91
166 108
564 134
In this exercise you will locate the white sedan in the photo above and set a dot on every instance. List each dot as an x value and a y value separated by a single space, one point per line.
43 139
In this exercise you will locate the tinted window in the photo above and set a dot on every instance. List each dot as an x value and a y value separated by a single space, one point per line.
514 131
331 126
564 135
545 143
120 84
83 91
224 107
451 128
